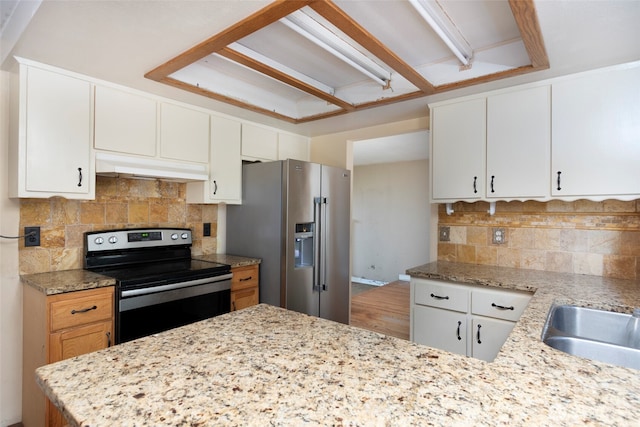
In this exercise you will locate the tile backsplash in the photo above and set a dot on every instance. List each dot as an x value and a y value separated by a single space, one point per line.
119 203
583 237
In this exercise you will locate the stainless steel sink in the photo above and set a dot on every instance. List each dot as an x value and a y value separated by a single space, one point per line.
593 334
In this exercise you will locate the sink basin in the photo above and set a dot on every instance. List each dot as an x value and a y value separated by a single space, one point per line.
591 333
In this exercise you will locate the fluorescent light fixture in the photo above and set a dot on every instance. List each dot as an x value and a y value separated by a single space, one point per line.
442 25
317 33
281 67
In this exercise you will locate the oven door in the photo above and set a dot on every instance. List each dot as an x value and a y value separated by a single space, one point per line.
148 310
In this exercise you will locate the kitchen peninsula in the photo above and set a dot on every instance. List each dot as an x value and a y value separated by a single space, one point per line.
265 365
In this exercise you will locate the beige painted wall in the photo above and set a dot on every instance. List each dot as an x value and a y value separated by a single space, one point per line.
10 289
390 218
336 149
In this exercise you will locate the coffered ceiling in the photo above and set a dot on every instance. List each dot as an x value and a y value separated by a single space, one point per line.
301 61
121 41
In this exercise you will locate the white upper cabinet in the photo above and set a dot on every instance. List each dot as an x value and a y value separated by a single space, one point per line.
184 133
458 138
596 135
125 122
50 150
568 138
518 144
259 143
225 165
292 146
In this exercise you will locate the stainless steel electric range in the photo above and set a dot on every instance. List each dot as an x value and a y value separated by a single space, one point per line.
158 285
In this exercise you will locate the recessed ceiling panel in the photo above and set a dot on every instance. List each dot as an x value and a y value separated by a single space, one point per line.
306 60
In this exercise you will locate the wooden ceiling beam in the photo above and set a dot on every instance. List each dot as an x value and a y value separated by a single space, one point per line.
331 12
283 77
265 16
524 12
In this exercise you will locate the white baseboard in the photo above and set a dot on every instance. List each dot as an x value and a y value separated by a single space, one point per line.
368 281
404 277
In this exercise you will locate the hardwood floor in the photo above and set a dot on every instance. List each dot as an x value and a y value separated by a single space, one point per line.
384 309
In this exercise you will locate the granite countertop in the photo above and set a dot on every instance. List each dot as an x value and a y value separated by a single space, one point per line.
232 260
265 365
59 282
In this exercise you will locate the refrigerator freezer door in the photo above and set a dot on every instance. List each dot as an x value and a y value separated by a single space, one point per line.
303 185
335 286
254 227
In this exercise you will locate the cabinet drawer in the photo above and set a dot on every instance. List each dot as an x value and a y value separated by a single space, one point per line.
244 277
79 308
441 295
499 304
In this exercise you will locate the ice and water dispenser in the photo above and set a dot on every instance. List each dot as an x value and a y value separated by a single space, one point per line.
303 249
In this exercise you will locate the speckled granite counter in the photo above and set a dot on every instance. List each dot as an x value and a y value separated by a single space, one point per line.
59 282
232 260
265 365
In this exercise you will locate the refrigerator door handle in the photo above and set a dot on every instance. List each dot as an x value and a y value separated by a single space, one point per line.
323 244
317 201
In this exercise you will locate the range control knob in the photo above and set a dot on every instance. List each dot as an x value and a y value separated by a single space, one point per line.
99 240
174 236
113 239
184 236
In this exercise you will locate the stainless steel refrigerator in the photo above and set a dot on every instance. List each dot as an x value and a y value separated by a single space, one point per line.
296 216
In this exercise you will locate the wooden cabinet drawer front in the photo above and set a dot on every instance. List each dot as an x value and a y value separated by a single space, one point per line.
80 310
499 304
441 295
244 277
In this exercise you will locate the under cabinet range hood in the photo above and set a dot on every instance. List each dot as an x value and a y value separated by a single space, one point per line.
108 164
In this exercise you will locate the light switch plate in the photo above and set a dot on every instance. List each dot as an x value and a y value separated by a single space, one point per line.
444 234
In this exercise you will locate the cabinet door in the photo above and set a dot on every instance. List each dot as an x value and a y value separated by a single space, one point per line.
488 336
81 340
293 147
244 298
519 144
259 143
226 164
125 122
596 135
184 133
58 134
458 141
443 329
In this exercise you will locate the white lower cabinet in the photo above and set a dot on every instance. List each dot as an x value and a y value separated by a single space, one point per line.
487 336
447 329
473 321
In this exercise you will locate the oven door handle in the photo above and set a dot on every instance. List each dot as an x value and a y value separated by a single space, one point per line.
172 286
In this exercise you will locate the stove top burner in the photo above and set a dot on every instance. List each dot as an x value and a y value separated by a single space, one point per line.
146 257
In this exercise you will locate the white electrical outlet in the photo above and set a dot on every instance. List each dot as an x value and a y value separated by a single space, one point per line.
499 236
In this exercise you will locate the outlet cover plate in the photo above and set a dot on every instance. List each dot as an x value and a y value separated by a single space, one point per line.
499 236
31 236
